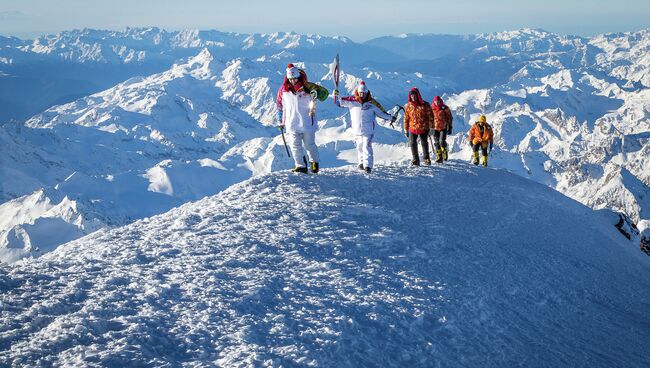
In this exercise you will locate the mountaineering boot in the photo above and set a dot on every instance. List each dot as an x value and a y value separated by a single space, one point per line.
427 161
439 155
360 167
475 161
314 167
368 170
484 161
444 153
300 169
415 163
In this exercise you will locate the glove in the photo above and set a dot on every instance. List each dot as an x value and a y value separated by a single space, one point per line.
314 94
335 92
449 130
281 127
393 119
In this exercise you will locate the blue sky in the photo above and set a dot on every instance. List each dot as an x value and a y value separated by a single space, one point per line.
359 20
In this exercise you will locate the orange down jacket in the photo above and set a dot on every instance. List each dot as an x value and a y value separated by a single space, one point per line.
442 117
418 118
475 135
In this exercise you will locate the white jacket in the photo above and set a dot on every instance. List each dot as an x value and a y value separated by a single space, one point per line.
362 115
295 112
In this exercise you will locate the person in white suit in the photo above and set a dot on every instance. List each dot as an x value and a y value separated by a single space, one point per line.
363 113
296 100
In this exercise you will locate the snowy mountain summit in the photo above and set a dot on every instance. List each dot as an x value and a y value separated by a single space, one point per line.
453 266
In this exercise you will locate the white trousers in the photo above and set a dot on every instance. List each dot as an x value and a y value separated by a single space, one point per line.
364 150
296 141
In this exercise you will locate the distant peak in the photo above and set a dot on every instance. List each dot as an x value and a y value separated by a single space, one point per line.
203 57
201 63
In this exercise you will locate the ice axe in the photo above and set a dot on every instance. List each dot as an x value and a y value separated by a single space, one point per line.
395 115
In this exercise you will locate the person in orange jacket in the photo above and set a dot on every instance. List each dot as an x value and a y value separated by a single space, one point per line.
481 136
418 120
441 127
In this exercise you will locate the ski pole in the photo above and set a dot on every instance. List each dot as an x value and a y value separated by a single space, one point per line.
284 141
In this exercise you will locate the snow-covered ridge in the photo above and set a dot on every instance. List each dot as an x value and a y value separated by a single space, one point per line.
34 224
88 61
134 45
339 269
129 46
135 150
622 55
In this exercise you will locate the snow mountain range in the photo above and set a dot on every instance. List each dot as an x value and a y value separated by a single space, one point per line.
54 69
190 113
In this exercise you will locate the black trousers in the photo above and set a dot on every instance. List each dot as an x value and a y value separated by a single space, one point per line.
440 139
423 142
484 149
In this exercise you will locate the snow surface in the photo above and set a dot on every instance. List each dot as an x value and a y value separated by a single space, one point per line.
443 266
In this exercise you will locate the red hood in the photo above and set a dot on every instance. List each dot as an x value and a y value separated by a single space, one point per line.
420 100
435 105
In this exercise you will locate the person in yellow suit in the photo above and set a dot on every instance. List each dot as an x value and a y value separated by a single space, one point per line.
481 136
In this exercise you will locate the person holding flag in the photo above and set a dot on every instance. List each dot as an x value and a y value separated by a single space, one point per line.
363 113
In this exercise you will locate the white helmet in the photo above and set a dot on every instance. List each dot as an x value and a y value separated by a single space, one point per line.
362 88
292 72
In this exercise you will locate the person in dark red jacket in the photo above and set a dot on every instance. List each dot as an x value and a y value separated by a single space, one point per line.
442 120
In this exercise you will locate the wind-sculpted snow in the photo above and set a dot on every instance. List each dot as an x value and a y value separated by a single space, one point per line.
408 267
